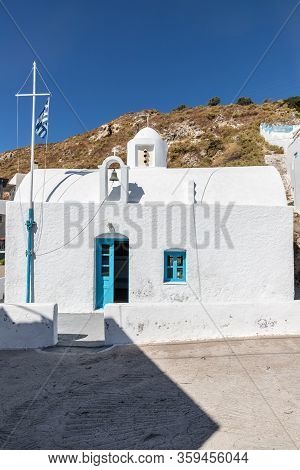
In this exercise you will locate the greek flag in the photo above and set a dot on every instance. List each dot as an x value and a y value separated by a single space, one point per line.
41 125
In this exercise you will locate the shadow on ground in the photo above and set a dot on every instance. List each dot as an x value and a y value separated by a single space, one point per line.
114 399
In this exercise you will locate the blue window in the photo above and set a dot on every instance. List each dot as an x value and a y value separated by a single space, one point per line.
175 266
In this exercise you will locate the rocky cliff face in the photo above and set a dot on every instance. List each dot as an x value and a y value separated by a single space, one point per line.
198 137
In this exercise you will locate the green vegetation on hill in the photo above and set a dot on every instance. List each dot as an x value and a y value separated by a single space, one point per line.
200 136
293 102
214 101
244 101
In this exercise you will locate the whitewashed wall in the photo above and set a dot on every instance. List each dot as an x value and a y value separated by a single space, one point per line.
257 266
293 167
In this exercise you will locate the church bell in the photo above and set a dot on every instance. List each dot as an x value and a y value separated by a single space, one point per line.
114 176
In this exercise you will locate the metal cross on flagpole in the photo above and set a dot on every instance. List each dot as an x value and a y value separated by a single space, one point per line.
30 223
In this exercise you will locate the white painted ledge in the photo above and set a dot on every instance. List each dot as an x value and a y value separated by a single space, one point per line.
2 288
167 323
26 326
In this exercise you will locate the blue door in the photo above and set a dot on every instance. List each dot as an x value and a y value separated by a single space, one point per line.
104 271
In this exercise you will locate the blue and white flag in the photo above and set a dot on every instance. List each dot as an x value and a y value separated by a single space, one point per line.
41 125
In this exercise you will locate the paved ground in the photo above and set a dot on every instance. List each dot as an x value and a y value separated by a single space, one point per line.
242 394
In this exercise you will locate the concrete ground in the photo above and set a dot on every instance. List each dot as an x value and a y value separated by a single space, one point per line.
226 395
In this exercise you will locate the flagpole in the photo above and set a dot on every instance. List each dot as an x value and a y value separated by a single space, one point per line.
30 223
32 134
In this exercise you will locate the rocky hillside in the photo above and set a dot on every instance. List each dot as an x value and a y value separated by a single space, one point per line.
198 137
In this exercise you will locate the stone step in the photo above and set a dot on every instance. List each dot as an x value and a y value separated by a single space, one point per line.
81 329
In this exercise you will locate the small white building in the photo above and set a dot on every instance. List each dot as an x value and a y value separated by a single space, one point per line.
279 134
293 168
146 236
287 137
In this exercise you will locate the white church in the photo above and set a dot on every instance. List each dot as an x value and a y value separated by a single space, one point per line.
167 254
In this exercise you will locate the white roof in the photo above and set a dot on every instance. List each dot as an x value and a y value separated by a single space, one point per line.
239 185
147 133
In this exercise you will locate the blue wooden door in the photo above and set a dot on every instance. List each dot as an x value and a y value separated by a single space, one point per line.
104 271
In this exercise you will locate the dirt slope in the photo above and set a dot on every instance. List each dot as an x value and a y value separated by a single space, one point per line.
198 137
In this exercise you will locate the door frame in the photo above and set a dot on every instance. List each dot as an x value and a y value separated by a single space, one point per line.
100 240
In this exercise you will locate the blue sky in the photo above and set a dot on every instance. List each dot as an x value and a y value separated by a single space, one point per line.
109 58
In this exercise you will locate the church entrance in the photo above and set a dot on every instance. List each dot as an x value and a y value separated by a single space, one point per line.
112 269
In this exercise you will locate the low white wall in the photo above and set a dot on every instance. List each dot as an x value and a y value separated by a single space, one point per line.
26 326
293 167
296 182
166 323
3 206
2 288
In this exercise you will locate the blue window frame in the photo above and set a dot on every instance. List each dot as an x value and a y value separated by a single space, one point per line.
175 266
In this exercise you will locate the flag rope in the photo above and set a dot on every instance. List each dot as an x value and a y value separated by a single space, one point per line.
25 81
18 157
40 75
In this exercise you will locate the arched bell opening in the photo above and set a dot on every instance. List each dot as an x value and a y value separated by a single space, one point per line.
113 180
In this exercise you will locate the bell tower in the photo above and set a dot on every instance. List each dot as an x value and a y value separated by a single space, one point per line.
147 150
